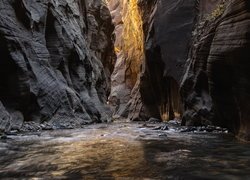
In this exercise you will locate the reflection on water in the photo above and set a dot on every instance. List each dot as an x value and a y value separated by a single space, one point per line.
123 151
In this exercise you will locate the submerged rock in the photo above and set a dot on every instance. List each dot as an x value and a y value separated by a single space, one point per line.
154 120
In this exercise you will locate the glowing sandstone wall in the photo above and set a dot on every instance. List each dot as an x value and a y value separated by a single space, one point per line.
129 47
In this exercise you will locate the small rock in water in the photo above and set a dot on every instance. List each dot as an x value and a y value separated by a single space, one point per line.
4 137
164 128
218 128
205 129
145 125
13 133
189 129
162 135
154 120
157 128
31 126
174 122
47 127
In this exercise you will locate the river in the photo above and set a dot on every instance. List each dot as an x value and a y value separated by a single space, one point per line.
123 150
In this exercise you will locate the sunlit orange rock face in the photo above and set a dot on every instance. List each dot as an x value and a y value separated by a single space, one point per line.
129 48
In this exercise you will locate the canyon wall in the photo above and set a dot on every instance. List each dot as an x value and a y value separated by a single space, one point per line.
61 63
194 65
166 47
129 49
56 61
152 43
216 84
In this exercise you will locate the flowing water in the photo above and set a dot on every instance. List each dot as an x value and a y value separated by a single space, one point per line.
123 151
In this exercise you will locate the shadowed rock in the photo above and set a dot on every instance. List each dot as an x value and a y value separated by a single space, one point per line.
215 87
50 68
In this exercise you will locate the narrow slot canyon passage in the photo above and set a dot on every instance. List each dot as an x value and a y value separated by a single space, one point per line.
124 89
135 62
129 49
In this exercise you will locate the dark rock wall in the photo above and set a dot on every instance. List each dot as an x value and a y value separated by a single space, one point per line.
195 64
167 47
167 30
101 40
50 68
216 85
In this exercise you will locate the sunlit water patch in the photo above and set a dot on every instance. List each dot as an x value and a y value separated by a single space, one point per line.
124 151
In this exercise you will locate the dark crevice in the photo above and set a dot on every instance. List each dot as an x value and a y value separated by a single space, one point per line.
9 89
160 93
52 41
74 65
22 14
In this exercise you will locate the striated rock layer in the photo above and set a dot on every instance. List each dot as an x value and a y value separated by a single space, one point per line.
216 85
56 59
129 48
